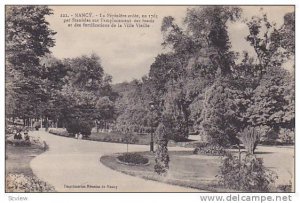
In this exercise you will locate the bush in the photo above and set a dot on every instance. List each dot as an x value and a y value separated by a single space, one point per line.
133 158
36 141
249 174
287 136
210 149
9 130
22 183
59 132
284 188
162 158
115 137
18 143
130 138
79 126
270 142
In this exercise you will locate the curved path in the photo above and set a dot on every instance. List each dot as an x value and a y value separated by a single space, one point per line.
72 165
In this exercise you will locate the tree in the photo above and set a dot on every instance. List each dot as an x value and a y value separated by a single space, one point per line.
287 32
221 109
265 39
272 102
208 28
271 107
28 38
87 90
200 51
133 106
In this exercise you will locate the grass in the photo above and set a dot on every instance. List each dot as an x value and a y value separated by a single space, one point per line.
19 175
18 158
186 169
199 171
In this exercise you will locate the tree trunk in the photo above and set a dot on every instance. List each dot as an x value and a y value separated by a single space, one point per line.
97 127
46 124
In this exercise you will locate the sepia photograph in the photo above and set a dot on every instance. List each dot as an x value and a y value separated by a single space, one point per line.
149 98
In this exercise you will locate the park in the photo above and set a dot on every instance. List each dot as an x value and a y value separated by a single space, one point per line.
203 117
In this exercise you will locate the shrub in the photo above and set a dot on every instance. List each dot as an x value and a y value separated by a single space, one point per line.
247 174
115 137
270 142
162 159
22 183
287 136
220 120
133 158
250 138
79 126
285 188
33 140
130 138
9 130
210 149
59 132
18 143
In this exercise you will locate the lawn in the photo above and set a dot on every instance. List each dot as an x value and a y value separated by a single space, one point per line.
186 169
200 171
19 175
18 158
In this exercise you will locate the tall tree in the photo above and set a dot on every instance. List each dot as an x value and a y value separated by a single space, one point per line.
272 103
28 38
208 28
87 89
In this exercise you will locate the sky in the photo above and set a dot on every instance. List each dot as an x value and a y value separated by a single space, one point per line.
127 53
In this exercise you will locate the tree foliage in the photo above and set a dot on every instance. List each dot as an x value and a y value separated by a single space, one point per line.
200 80
38 85
28 38
87 89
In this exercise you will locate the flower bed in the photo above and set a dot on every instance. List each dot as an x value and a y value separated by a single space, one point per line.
37 141
133 159
18 143
210 149
22 183
59 132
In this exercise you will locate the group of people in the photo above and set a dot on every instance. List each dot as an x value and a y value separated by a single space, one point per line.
18 135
